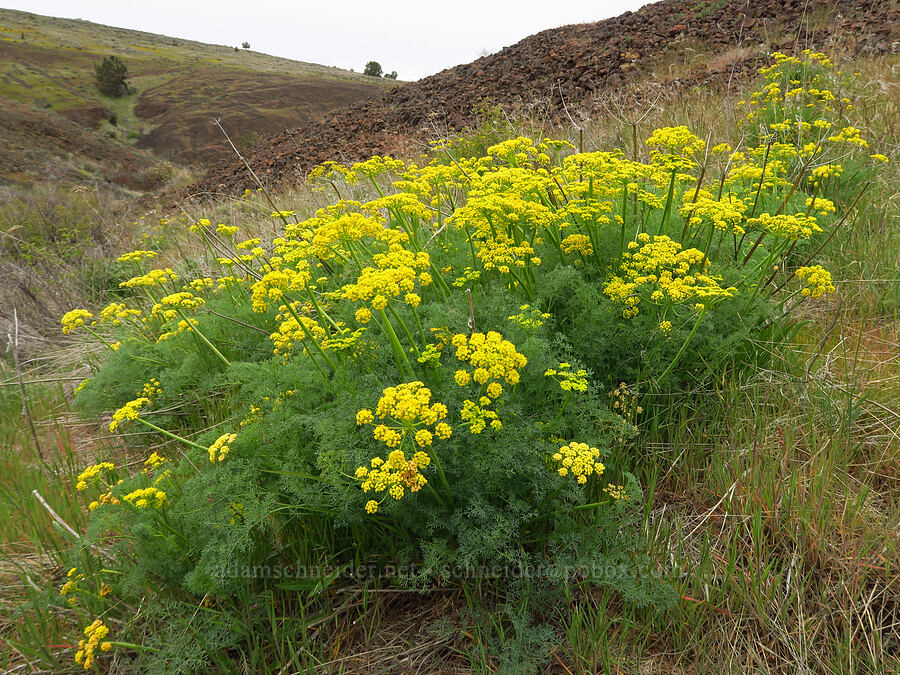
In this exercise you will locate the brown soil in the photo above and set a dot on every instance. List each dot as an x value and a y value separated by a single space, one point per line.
42 146
249 106
88 115
566 68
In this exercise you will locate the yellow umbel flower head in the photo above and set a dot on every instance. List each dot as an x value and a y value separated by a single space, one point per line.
580 460
86 648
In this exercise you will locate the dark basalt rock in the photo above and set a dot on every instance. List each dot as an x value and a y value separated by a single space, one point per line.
564 68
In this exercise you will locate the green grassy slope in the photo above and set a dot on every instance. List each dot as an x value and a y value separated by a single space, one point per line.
46 65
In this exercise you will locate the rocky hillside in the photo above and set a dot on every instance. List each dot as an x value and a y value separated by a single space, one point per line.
571 65
54 121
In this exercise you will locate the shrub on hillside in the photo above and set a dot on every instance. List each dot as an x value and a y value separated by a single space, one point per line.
373 68
111 76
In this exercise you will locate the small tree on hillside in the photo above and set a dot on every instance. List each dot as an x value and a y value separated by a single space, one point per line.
245 45
112 76
391 75
373 68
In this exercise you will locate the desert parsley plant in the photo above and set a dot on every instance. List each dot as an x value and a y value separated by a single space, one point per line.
448 377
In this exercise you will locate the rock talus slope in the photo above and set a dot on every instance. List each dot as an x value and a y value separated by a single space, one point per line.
564 68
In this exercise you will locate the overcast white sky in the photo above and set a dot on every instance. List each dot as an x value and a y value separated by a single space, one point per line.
414 37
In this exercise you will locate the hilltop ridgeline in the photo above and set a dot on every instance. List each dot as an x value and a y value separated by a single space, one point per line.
563 69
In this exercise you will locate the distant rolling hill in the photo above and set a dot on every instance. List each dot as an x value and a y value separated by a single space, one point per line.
54 122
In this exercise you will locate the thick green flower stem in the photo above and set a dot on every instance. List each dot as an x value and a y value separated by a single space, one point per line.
438 279
323 316
197 332
562 408
419 326
586 507
441 474
526 287
131 645
712 228
762 180
435 494
311 339
684 347
354 255
175 437
624 213
97 335
471 248
547 499
186 543
377 187
574 509
409 335
664 223
399 354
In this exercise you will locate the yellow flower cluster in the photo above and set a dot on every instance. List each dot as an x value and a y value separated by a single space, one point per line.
86 648
395 476
725 214
180 327
468 275
677 140
136 256
168 306
820 173
568 379
75 319
328 172
106 498
395 273
409 406
520 150
671 274
151 389
401 203
149 497
152 278
477 415
92 473
492 357
154 461
793 227
502 212
431 355
201 284
821 205
816 281
70 587
849 135
344 340
220 448
617 492
273 284
329 229
376 165
129 411
529 317
116 312
290 331
580 460
577 243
